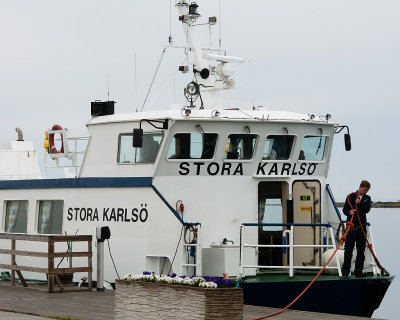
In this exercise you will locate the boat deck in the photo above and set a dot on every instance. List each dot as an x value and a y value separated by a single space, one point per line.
284 277
18 303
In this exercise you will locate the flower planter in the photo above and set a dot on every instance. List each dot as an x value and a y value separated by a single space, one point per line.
149 300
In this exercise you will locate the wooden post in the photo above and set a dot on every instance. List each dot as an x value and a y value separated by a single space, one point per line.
50 265
13 263
90 265
59 283
21 278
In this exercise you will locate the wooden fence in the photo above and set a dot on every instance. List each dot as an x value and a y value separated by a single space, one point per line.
52 272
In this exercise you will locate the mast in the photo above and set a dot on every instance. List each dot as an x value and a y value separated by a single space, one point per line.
201 61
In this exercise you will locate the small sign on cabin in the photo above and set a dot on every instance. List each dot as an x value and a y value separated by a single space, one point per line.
306 209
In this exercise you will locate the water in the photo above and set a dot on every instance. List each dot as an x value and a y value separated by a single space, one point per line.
385 228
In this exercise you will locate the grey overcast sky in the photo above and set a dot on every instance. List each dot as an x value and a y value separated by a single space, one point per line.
314 56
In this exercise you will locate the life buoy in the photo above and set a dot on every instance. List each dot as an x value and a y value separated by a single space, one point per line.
52 147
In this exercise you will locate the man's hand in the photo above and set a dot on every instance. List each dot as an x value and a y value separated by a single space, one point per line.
352 212
357 200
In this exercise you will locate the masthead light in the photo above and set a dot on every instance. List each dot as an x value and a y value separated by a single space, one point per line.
193 8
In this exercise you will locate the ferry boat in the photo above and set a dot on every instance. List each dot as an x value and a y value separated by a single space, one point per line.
198 189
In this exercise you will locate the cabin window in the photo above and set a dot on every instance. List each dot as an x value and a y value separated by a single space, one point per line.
278 147
192 146
146 154
50 217
16 216
313 148
240 146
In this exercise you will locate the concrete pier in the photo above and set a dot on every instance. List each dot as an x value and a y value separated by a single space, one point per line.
27 303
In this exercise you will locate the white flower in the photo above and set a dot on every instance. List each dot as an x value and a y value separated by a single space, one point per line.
128 276
208 284
155 277
177 280
187 280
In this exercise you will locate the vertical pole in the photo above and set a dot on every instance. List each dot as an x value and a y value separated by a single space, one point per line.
241 253
371 240
70 250
75 157
219 24
13 263
336 255
291 254
45 165
198 253
100 265
50 265
90 264
136 98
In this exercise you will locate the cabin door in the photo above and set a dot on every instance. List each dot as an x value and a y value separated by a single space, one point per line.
272 208
307 209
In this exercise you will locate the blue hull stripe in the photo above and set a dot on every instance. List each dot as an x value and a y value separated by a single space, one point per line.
136 182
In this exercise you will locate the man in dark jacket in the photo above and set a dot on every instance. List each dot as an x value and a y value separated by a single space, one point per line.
357 203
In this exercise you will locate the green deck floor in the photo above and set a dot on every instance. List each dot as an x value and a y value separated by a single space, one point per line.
284 277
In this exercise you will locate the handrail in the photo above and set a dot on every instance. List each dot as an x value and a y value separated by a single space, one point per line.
291 246
51 271
330 193
70 155
287 224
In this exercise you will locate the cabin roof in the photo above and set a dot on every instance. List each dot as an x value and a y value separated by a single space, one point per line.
209 114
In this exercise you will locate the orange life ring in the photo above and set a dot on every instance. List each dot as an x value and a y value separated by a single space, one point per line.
52 147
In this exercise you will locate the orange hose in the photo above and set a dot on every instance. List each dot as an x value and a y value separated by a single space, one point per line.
349 226
369 245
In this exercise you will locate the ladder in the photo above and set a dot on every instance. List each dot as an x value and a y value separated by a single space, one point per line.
191 250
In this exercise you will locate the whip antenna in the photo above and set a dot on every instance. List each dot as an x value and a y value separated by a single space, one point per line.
154 77
219 25
108 88
135 85
170 40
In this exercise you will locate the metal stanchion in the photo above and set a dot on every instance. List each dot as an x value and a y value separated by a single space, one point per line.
102 233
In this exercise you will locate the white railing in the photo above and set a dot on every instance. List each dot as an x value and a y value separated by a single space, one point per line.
370 262
291 246
71 155
20 176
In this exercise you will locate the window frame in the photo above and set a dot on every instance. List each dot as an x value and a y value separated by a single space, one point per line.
131 134
38 212
292 150
257 137
192 159
5 215
325 149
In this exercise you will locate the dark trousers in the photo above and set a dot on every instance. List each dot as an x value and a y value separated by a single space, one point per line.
355 237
